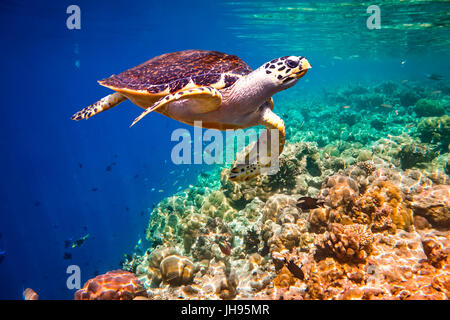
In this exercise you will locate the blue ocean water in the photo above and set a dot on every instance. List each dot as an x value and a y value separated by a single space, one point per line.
62 180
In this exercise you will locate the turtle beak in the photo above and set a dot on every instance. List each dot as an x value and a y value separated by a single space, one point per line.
303 67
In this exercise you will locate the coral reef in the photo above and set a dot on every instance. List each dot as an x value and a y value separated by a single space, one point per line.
358 209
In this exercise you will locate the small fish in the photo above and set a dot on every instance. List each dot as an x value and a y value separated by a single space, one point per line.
346 107
308 203
396 112
436 92
153 189
37 203
136 176
80 165
224 247
176 181
160 190
295 269
30 294
94 189
172 172
108 168
403 62
67 256
404 81
337 58
385 105
433 76
410 125
127 209
80 241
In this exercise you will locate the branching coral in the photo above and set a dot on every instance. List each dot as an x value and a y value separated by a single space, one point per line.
348 243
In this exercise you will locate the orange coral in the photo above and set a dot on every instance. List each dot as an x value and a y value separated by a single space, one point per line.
114 285
383 204
30 294
348 243
318 218
339 190
438 252
284 279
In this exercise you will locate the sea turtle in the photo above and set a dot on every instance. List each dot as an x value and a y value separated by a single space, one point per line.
218 89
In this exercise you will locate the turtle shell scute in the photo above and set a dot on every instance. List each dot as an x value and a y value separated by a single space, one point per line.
177 69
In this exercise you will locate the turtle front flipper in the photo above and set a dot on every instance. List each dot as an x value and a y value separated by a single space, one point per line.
104 104
202 99
254 161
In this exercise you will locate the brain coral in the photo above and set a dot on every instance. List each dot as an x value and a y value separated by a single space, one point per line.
113 285
339 190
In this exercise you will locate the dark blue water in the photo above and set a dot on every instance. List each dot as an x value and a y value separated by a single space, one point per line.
50 164
63 179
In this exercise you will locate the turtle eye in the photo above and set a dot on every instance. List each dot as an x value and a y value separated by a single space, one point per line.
291 63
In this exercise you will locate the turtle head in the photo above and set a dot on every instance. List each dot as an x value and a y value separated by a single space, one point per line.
286 71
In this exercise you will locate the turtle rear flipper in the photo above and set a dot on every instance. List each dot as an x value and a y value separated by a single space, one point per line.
104 104
256 162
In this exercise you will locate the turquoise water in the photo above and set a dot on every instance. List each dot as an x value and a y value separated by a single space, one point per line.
63 180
